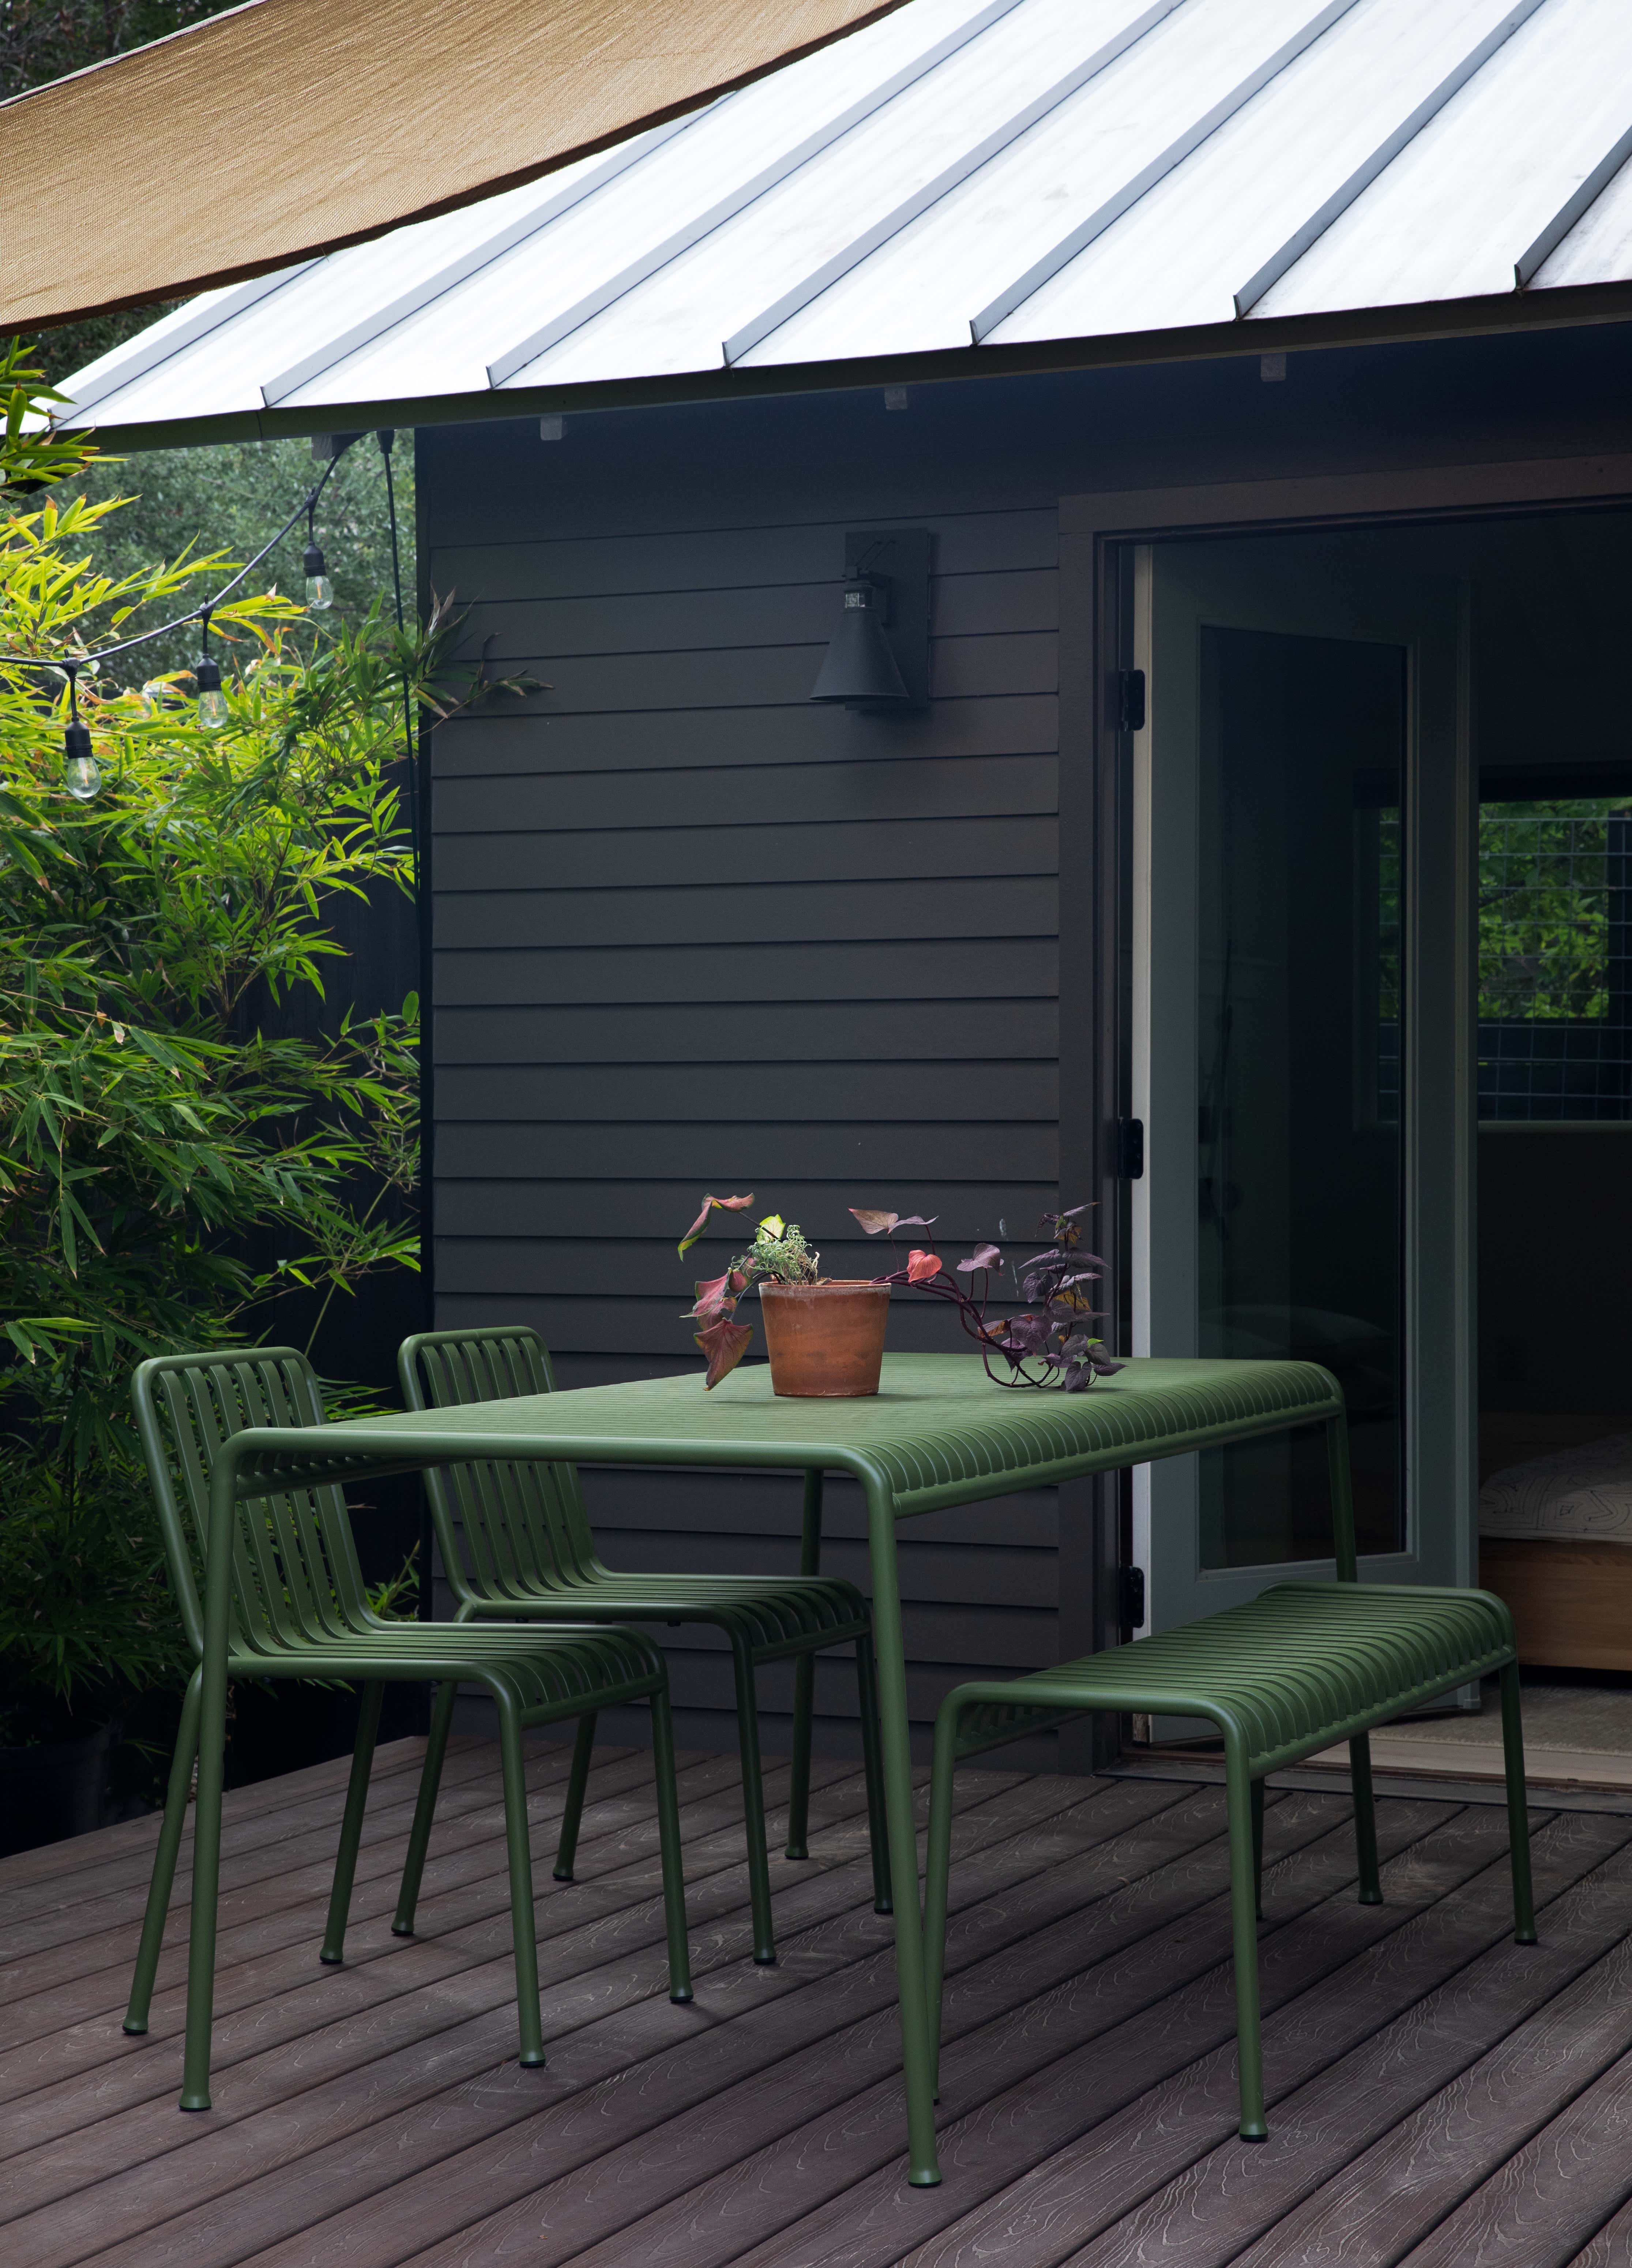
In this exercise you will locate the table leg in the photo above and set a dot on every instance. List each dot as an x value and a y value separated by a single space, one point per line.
200 1958
804 1683
923 2170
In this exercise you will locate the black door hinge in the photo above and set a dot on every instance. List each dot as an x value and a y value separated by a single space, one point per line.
1130 700
1130 1598
1130 1149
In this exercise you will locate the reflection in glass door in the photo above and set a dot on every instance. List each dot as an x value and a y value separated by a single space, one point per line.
1298 1076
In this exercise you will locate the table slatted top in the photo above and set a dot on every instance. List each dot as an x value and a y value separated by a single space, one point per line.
938 1432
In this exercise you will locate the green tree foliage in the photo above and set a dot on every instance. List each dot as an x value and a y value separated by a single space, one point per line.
165 1114
1544 910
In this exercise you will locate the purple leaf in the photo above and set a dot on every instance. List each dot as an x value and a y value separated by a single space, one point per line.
726 1204
724 1343
874 1222
984 1255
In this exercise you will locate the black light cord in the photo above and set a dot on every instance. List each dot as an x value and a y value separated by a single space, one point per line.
308 505
385 438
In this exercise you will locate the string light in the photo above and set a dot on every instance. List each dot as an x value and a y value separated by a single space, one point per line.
212 705
82 774
319 590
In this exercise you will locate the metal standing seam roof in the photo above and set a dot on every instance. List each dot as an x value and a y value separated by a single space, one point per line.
967 175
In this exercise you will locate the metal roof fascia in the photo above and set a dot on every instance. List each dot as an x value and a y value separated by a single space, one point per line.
458 271
506 367
1570 211
146 352
810 287
1387 151
1042 271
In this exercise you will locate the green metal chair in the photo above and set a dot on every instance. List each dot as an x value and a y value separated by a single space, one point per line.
1301 1666
515 1542
299 1609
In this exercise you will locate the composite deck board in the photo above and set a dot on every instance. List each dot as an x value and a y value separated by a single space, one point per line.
1437 2094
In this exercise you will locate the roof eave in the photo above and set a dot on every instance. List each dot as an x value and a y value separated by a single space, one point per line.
1492 314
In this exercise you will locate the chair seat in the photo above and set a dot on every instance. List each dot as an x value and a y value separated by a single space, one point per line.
1296 1669
553 1672
774 1614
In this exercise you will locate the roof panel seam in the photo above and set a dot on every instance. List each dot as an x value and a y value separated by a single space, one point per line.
1120 201
506 367
1574 209
1311 230
758 327
148 350
478 256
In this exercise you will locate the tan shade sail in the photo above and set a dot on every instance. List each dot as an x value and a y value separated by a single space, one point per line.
289 128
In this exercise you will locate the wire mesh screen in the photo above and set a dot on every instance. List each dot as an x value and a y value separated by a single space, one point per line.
1555 974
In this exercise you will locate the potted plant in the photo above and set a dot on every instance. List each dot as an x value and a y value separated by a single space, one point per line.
825 1336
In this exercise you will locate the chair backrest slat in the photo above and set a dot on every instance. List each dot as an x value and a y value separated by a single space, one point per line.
295 1576
523 1526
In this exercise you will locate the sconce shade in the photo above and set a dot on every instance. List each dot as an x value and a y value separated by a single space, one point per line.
858 668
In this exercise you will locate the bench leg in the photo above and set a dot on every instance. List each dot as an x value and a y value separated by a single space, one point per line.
1365 1820
1517 1814
1243 1920
753 1802
519 1852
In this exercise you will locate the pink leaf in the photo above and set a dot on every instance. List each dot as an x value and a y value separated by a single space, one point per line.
713 1298
921 1265
874 1222
724 1345
726 1204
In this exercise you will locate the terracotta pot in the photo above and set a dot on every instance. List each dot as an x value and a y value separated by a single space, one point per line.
825 1338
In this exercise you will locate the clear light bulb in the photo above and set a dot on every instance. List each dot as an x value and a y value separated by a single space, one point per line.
319 590
213 709
82 777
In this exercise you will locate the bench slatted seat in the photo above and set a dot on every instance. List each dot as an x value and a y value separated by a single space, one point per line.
515 1544
299 1608
1301 1666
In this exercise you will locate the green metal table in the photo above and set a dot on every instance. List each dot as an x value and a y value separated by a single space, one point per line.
939 1432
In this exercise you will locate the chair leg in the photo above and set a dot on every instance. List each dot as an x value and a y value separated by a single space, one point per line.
578 1780
1258 1850
669 1840
511 1758
753 1802
352 1825
799 1793
425 1810
936 1872
1517 1813
1365 1820
165 1860
878 1826
1244 1919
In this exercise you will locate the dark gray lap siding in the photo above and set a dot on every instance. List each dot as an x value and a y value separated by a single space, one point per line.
691 933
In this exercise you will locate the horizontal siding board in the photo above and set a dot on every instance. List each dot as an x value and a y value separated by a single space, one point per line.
752 914
907 789
886 1156
637 1323
653 859
807 1032
839 1093
594 1265
957 969
650 1209
788 613
729 1505
709 559
503 737
760 675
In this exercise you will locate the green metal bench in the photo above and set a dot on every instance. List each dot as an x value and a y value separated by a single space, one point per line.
299 1609
1301 1666
516 1542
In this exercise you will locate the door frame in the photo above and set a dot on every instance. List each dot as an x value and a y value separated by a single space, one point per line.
1097 535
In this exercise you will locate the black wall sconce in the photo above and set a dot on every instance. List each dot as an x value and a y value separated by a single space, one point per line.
878 660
